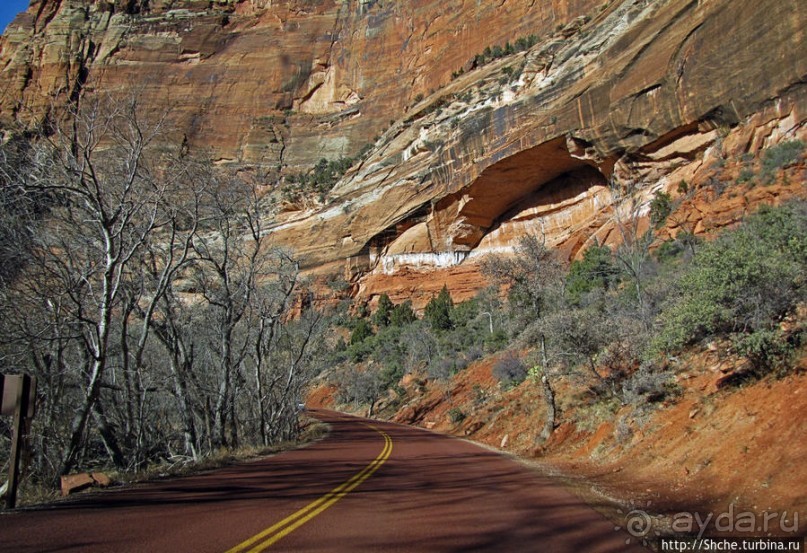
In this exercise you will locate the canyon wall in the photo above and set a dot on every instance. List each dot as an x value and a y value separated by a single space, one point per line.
258 82
645 95
466 157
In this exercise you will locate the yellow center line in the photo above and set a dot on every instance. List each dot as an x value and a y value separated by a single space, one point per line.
292 522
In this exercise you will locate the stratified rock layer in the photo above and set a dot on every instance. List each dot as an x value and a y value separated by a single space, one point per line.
259 82
639 95
467 157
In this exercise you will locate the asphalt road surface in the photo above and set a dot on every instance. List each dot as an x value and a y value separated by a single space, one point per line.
368 486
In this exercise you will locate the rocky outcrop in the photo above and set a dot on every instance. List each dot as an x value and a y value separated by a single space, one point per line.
258 82
633 94
647 94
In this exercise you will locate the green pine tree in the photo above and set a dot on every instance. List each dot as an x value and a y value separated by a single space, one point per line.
381 318
438 310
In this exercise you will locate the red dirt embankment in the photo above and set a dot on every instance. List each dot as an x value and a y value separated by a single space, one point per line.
708 451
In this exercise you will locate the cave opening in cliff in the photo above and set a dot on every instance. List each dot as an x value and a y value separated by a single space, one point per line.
534 188
543 189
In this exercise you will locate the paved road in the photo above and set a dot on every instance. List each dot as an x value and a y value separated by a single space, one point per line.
368 486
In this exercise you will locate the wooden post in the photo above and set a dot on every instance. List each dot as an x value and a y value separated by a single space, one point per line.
23 407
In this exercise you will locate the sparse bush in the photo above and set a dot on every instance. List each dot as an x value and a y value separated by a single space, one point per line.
781 156
420 345
447 367
456 415
648 385
660 208
360 386
746 175
576 335
474 353
590 417
510 370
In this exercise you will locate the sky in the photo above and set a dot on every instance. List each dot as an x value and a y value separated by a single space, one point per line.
9 10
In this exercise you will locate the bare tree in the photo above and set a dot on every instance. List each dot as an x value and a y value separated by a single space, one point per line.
107 203
271 305
145 297
533 275
232 260
535 278
151 304
88 296
633 251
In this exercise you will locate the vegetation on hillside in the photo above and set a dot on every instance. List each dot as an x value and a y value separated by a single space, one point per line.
613 321
318 181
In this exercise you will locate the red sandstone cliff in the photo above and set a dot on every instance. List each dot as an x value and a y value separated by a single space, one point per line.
649 92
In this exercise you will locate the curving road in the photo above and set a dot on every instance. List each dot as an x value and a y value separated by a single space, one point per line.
369 486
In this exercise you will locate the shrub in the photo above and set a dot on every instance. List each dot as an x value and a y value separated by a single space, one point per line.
744 281
746 175
447 367
596 270
590 417
669 249
455 415
660 208
473 353
648 385
496 341
769 350
781 156
510 370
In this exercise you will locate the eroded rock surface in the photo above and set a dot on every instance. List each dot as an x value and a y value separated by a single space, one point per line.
466 158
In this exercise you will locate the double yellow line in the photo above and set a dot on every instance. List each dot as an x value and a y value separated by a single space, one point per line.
266 538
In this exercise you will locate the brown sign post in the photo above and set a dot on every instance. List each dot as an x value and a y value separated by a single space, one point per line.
18 393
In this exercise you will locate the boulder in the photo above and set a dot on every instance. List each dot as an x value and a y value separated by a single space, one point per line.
72 483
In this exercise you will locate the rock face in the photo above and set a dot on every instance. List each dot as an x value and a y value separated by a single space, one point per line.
259 81
631 95
647 94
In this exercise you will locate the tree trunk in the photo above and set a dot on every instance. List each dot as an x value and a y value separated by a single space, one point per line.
549 397
181 394
108 436
79 423
551 410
